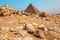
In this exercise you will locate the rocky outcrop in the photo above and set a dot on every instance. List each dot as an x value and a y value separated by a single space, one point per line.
29 24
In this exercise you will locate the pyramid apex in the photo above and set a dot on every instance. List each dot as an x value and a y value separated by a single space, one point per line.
31 4
32 9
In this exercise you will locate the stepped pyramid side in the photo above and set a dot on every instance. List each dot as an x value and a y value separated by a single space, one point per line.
32 9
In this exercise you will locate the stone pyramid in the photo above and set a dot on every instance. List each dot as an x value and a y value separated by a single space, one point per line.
32 9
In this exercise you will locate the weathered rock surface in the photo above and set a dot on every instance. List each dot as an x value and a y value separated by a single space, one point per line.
23 25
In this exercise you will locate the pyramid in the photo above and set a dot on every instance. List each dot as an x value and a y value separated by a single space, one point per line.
31 9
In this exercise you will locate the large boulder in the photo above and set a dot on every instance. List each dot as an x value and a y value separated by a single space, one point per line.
29 28
43 14
39 34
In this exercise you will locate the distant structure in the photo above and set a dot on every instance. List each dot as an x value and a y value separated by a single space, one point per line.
31 9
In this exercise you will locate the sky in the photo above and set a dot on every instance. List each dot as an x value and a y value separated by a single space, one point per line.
51 6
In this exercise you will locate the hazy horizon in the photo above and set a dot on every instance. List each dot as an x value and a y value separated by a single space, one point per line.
51 6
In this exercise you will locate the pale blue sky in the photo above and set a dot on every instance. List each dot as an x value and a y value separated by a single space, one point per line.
52 6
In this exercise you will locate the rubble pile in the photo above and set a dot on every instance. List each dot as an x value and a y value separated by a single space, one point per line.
29 24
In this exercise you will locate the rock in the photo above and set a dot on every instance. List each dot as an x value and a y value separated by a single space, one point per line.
5 14
35 24
13 30
39 34
4 28
3 36
42 27
54 34
29 28
43 14
19 13
55 39
24 13
55 28
2 8
23 33
19 27
17 38
11 22
27 38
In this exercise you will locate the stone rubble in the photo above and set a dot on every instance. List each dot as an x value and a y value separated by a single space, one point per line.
28 24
